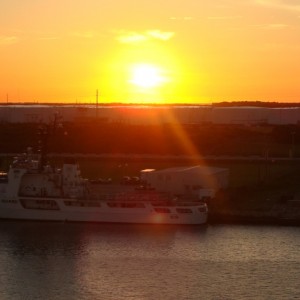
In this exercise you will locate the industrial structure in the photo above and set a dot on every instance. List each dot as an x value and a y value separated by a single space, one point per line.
192 180
147 115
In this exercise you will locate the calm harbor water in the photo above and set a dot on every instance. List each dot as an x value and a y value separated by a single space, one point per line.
90 261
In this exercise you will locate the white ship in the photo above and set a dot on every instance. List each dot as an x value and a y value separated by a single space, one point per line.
32 190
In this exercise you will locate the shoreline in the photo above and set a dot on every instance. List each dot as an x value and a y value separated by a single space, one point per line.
221 218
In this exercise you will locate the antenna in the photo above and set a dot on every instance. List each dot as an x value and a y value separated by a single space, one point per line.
97 96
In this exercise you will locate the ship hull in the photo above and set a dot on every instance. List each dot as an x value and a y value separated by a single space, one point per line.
103 214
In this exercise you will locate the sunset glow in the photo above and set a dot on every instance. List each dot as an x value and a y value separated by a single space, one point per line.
186 52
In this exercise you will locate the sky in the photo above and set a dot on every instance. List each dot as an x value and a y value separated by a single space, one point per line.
140 51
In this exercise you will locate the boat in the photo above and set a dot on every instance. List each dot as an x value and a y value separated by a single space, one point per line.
32 189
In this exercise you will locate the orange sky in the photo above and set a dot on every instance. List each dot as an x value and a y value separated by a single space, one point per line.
194 51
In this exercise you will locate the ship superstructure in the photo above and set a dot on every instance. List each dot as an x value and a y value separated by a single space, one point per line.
32 189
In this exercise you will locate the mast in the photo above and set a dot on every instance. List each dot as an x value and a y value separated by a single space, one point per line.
44 132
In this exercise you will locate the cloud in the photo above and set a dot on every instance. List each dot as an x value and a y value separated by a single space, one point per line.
272 26
132 37
277 26
8 40
83 34
292 5
49 38
224 17
157 34
182 18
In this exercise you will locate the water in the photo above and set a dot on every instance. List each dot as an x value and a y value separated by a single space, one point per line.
90 261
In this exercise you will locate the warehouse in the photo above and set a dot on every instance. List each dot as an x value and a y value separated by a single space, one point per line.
192 180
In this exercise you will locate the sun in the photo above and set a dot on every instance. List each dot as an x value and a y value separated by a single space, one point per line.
146 76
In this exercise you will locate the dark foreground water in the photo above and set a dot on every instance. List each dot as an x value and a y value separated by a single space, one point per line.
90 261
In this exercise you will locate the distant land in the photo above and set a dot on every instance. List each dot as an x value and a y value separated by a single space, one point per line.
267 104
257 104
